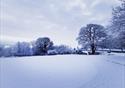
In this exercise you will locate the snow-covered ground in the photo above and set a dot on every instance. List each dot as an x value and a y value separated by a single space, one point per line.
67 71
117 54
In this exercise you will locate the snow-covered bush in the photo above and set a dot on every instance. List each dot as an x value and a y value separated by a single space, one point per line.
52 52
62 49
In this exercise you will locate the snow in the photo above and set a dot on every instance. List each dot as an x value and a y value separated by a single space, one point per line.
66 71
118 54
112 53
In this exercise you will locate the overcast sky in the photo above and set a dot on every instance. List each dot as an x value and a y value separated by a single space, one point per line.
25 20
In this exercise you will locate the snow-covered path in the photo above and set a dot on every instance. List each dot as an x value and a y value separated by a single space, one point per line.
69 71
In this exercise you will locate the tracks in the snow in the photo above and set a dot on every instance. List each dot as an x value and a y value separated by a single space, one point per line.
115 62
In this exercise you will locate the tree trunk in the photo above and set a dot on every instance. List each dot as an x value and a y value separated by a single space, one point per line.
121 49
93 48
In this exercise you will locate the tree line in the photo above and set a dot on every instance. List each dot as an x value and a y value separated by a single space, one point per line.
42 46
91 37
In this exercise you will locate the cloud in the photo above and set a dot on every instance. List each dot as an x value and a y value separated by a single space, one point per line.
75 3
106 2
58 19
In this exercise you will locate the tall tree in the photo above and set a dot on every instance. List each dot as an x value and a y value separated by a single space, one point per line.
118 18
91 35
121 39
118 24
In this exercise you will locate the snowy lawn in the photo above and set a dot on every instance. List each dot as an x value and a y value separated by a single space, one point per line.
67 71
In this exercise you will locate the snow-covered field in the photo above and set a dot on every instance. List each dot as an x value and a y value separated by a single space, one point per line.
67 71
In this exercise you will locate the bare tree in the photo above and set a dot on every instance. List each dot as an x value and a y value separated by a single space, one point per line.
91 35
